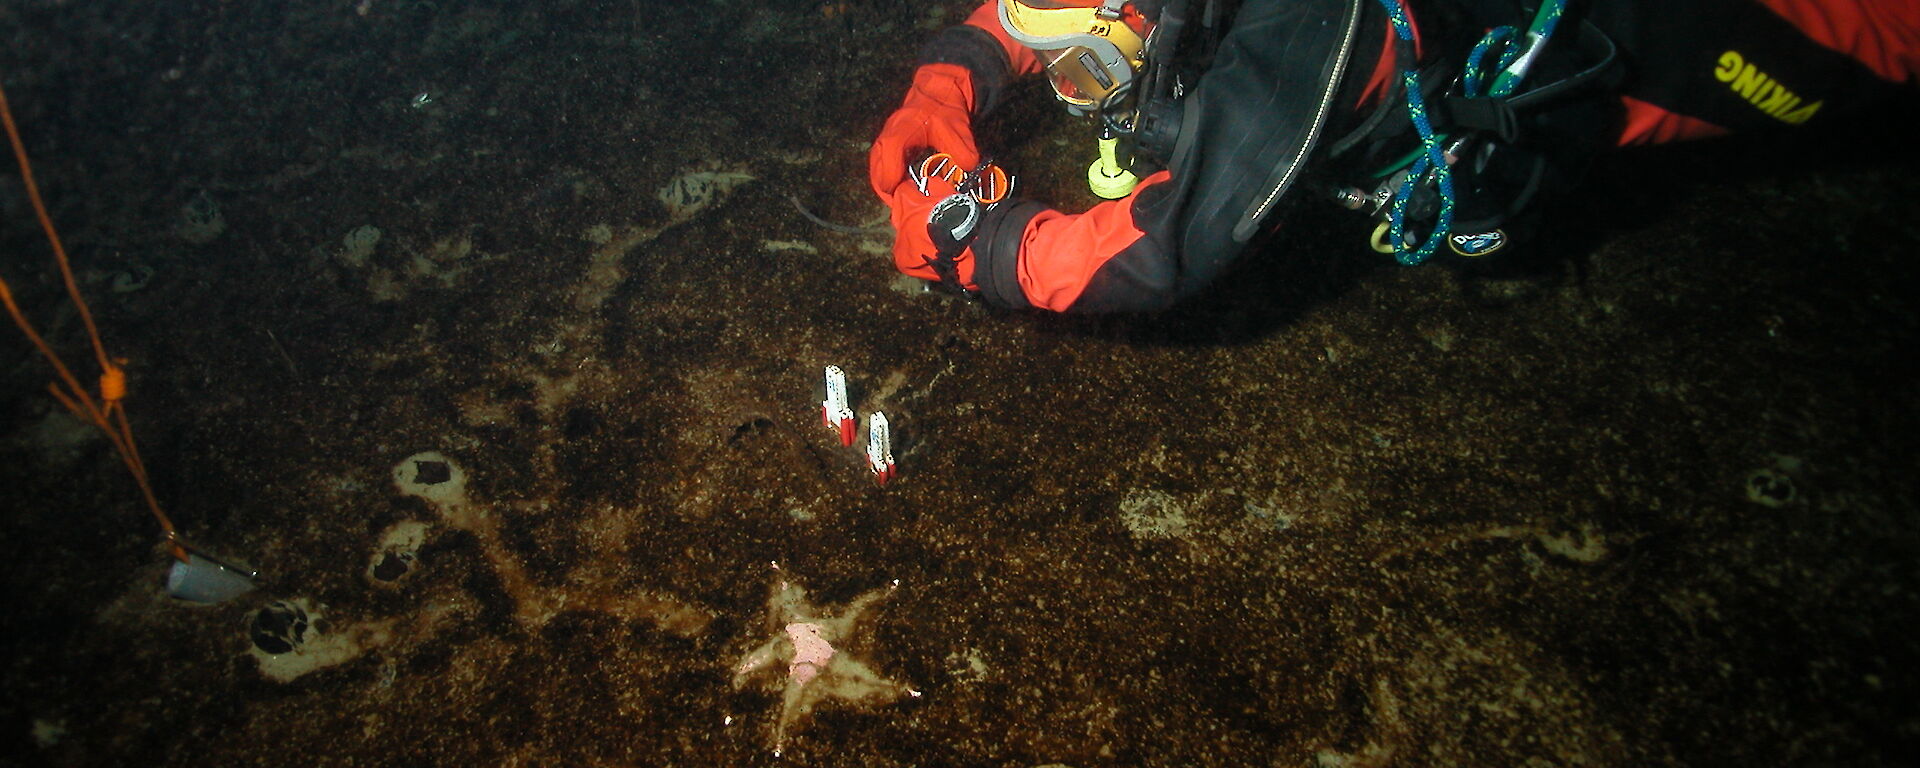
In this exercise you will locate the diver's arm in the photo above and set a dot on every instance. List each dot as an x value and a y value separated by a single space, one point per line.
962 72
986 18
983 48
1141 253
1028 255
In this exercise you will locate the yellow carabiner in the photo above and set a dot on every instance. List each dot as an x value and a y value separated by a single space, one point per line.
1379 240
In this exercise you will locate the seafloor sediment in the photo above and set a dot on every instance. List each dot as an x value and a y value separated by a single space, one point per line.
490 335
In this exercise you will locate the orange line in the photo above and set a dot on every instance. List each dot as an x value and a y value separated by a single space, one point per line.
111 419
59 366
53 237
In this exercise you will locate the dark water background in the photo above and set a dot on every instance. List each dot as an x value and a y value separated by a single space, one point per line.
1337 513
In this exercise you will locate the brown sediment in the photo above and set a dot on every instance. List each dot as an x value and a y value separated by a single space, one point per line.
1640 500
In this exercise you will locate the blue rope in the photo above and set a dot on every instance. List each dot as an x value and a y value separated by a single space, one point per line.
1431 158
1470 80
1513 64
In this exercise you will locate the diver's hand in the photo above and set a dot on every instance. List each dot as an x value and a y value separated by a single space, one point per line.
937 115
913 243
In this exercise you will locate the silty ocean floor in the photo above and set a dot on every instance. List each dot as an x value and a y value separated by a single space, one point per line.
491 335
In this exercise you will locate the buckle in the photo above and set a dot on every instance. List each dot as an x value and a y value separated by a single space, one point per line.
1484 113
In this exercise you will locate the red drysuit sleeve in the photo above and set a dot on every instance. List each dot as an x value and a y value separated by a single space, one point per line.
1061 252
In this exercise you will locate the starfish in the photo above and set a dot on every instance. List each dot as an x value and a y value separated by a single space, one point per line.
816 670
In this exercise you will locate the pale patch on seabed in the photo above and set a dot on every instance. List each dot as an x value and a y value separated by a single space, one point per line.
294 637
1149 514
318 648
699 188
605 268
56 439
47 733
1773 486
1587 546
968 665
433 477
1527 702
396 554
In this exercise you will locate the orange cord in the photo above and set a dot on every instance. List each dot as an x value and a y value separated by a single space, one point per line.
107 413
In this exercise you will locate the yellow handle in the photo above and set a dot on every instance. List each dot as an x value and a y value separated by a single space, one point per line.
1106 178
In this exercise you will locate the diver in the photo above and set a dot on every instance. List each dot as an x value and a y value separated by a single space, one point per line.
1439 122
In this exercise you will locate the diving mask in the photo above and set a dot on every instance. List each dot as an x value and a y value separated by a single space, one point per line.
1090 52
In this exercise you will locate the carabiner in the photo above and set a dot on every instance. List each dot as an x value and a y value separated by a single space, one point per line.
990 184
987 183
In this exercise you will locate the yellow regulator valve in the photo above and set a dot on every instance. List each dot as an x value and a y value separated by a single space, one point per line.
1105 177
